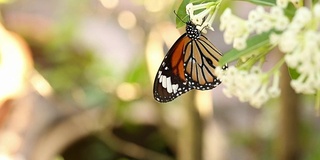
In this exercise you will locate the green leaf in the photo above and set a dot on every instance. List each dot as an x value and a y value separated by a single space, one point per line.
290 11
294 74
182 16
262 2
254 44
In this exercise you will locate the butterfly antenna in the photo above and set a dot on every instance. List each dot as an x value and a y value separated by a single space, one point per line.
174 11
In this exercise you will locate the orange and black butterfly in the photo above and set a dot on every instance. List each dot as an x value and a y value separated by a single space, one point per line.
189 64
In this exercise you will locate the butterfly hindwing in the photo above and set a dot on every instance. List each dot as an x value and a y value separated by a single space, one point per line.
201 59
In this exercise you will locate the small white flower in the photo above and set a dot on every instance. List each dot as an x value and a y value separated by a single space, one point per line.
257 13
208 23
282 3
276 11
189 9
274 38
304 58
301 18
264 26
288 41
292 59
225 18
260 97
281 23
198 18
301 85
240 42
274 90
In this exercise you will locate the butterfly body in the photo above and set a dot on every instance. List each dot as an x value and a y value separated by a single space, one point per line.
189 64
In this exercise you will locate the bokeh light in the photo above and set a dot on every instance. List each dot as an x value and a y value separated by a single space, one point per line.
109 3
127 19
128 91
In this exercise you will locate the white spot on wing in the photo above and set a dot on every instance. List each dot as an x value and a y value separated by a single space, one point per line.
164 81
175 88
159 74
169 86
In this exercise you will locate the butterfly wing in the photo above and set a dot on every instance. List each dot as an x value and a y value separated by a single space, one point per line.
170 81
200 60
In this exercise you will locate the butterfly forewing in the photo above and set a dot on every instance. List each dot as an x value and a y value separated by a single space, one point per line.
170 81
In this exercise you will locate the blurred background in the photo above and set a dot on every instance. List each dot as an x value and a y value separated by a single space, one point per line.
76 84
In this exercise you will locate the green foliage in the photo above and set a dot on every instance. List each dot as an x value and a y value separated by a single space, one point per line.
293 73
182 14
262 2
137 72
254 45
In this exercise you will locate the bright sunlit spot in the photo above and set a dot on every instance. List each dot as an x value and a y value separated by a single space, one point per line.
128 91
154 52
154 5
109 3
127 19
12 142
204 103
40 84
4 157
14 64
163 33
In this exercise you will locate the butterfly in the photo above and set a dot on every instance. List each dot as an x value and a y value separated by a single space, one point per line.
189 64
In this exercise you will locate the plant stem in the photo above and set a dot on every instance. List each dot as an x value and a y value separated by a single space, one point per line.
289 121
190 135
317 104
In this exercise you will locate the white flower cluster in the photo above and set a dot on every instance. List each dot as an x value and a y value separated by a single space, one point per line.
301 43
208 13
237 30
261 21
298 39
251 86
